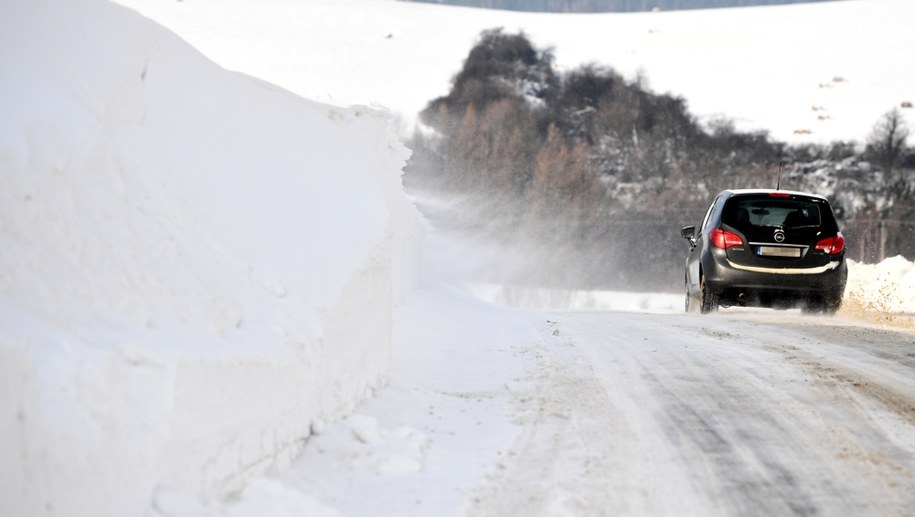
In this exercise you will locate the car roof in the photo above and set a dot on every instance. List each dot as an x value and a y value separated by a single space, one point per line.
748 191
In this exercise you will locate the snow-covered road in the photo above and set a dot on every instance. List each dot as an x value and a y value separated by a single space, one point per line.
737 414
509 412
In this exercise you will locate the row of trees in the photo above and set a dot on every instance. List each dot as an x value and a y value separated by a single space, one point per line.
597 173
594 6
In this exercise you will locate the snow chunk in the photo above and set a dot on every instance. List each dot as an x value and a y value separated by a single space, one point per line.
270 497
385 451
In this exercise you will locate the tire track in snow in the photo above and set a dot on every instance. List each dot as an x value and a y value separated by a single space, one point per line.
858 385
896 349
721 419
839 378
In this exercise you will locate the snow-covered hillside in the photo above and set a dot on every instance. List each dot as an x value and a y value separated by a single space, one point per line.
196 267
806 73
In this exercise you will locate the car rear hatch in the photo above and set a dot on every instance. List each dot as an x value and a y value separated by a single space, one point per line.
780 230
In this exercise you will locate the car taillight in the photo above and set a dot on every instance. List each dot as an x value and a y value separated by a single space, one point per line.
724 239
779 194
831 245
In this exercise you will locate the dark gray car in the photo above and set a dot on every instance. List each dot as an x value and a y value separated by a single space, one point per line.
766 248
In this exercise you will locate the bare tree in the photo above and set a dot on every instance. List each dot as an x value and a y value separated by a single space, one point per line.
888 140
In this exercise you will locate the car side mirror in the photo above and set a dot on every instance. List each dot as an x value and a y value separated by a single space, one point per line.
689 233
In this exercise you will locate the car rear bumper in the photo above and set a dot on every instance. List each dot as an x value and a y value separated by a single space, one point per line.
736 284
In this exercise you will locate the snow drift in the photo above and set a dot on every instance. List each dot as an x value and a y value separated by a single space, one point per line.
196 267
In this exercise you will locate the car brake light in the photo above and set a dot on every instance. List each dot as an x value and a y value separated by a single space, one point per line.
831 245
779 194
724 239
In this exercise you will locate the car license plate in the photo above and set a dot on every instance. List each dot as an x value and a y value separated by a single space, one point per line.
778 251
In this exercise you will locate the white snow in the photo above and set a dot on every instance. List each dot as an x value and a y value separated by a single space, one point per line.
886 289
807 73
457 365
200 272
579 300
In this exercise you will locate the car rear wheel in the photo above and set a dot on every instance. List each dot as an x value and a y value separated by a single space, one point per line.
828 305
708 300
832 305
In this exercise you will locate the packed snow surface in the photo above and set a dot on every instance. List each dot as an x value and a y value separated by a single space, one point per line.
207 302
807 72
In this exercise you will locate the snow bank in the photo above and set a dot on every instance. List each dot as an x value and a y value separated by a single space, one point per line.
196 267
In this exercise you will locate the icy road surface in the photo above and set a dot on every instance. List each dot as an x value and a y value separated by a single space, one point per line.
646 414
498 412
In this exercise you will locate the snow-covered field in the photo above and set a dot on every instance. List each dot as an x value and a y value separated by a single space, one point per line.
209 302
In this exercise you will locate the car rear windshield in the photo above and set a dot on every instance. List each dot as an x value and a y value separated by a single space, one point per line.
745 213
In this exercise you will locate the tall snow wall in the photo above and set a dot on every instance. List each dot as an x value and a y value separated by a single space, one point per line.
196 268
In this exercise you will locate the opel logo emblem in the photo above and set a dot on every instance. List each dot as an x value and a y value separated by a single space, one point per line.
779 235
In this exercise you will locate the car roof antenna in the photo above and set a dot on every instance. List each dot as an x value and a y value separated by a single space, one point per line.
778 182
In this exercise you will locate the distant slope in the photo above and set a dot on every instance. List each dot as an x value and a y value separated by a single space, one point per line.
608 6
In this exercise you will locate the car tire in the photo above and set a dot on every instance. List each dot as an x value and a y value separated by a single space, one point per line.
828 305
708 300
832 304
